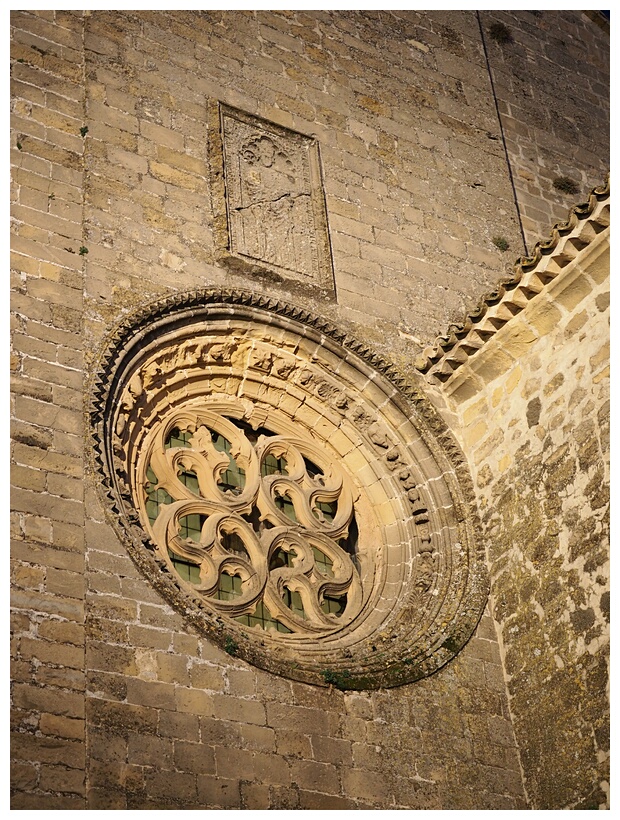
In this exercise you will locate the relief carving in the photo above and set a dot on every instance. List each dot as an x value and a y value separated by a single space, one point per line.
274 205
269 199
331 393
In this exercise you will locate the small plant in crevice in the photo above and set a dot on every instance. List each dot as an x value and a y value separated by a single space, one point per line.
231 646
83 251
566 185
84 130
18 145
500 33
338 679
501 243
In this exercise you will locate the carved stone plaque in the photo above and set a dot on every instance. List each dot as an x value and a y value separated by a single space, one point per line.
268 200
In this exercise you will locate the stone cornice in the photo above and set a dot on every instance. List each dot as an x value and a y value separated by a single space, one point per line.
531 274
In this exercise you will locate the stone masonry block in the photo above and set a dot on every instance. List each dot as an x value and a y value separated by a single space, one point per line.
151 693
70 584
62 726
34 601
319 777
150 638
62 631
598 270
544 318
316 800
47 749
207 676
193 701
121 718
171 785
117 659
24 776
54 373
172 669
48 699
65 487
260 738
254 796
365 785
574 291
218 792
331 750
194 757
250 765
492 363
293 744
179 725
148 750
245 711
28 479
52 652
282 716
517 339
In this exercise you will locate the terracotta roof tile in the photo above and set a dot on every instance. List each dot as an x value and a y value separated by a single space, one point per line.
531 274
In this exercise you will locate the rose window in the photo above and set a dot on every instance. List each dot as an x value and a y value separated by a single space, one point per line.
249 520
286 491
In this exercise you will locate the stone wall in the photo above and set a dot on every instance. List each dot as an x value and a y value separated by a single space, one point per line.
538 434
116 701
554 120
47 522
175 721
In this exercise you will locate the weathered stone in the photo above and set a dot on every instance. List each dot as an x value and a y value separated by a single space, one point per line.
113 194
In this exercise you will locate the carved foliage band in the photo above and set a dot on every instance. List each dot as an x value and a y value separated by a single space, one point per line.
284 494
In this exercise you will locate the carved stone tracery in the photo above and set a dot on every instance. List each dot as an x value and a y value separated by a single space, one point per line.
253 515
284 493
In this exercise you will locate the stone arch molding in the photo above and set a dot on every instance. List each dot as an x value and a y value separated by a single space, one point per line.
287 491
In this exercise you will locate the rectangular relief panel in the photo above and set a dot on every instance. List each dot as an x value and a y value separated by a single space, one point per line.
268 200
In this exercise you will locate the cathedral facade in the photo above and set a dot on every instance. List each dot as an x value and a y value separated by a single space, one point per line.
310 410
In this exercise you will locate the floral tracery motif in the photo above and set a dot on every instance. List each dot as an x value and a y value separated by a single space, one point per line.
286 491
261 525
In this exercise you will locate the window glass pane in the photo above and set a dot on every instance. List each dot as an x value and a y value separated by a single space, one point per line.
233 478
282 558
190 526
273 466
323 563
262 617
293 601
311 468
155 498
328 510
186 569
229 587
284 503
334 606
190 479
178 438
234 543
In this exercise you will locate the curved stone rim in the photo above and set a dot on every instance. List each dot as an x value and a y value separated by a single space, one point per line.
186 308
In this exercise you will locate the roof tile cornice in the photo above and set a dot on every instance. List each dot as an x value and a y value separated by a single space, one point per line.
531 274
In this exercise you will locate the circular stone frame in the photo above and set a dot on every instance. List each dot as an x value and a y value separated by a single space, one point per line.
251 359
